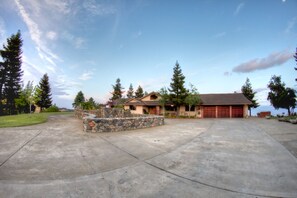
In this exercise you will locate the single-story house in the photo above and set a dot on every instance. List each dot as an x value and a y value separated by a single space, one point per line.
226 105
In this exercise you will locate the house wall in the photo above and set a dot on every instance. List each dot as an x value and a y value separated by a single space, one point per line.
245 111
139 109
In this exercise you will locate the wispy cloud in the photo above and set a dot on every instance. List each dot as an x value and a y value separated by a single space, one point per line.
219 35
238 8
291 25
86 75
77 42
271 60
95 8
137 34
36 36
61 6
2 30
51 35
227 73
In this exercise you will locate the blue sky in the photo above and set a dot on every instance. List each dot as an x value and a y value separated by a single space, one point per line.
86 45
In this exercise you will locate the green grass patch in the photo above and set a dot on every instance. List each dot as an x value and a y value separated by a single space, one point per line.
27 119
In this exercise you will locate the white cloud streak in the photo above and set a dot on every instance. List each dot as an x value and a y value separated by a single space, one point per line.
291 25
271 60
86 75
238 8
36 35
95 8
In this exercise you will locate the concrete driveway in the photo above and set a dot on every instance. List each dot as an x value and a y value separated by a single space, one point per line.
184 158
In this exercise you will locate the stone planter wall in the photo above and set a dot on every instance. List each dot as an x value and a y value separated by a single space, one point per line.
121 124
111 120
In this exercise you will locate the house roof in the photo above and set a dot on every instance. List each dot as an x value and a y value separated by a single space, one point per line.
224 99
207 99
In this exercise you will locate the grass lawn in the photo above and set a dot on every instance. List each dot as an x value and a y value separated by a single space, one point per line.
27 119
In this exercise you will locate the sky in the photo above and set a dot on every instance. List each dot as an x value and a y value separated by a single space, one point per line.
86 45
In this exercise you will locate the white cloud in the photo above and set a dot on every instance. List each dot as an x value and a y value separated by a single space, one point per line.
51 35
291 25
2 31
219 35
271 60
238 8
77 42
86 75
36 35
137 34
59 5
95 8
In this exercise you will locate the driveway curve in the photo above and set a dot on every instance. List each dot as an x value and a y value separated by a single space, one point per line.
183 158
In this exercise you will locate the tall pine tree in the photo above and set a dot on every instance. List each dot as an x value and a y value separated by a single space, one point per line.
11 72
117 90
139 92
79 100
177 90
43 93
130 93
248 92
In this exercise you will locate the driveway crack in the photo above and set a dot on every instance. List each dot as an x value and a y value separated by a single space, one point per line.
11 155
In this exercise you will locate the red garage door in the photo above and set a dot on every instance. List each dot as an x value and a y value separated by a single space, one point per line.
209 111
223 112
237 111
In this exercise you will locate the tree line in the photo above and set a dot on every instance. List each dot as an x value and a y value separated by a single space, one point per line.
15 97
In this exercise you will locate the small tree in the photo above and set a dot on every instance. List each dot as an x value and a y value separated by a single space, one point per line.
117 90
25 100
164 98
43 93
248 92
193 97
177 90
280 96
139 92
130 93
92 103
79 99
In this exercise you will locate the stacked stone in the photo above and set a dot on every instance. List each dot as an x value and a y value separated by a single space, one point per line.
121 124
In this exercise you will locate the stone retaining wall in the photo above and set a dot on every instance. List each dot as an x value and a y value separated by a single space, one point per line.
111 120
121 124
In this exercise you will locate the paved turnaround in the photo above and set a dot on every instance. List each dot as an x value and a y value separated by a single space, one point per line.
183 158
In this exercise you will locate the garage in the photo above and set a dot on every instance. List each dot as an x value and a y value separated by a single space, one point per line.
209 112
225 105
237 111
223 112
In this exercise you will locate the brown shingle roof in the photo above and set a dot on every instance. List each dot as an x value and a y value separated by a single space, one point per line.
224 99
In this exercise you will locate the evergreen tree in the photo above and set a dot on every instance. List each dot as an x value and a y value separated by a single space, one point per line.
92 103
130 93
43 92
117 90
248 92
280 96
79 99
145 93
139 92
178 92
11 72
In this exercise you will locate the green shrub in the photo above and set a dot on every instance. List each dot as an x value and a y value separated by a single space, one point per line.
52 108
